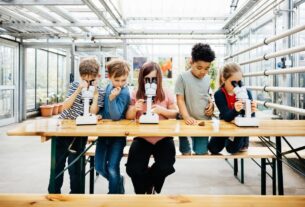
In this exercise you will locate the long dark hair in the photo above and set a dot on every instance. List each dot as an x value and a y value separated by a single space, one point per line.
147 68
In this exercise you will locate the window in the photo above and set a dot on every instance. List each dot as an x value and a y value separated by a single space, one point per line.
30 79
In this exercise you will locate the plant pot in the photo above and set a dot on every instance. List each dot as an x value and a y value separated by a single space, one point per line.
60 108
55 109
46 110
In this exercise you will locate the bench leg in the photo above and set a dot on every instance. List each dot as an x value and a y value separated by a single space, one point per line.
263 176
235 167
279 165
274 176
82 161
53 164
242 178
91 184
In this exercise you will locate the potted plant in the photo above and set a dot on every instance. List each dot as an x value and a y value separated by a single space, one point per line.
53 101
60 99
46 109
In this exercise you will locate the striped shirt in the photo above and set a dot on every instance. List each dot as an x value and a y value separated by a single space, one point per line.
77 109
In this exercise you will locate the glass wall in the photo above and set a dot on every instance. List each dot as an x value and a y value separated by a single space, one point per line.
46 77
8 75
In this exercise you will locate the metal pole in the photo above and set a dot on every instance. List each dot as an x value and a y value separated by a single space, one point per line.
277 72
283 108
275 54
277 89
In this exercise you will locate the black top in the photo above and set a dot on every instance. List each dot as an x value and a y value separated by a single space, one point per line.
222 105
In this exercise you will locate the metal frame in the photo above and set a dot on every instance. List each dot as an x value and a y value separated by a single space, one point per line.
282 107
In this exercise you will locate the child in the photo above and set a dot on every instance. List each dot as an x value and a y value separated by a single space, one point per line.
147 179
71 147
193 99
229 108
109 150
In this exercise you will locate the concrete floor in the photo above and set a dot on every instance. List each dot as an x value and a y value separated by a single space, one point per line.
25 162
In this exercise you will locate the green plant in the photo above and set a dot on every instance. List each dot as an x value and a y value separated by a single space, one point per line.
213 75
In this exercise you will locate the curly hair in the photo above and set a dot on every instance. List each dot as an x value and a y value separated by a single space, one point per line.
202 52
89 66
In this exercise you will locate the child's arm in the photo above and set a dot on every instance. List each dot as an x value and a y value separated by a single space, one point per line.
221 102
94 108
170 112
118 105
73 94
183 110
133 109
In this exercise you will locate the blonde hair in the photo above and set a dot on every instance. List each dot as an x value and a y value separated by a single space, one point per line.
89 66
117 68
227 71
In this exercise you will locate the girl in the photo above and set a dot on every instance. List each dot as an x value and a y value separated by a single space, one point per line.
109 150
229 108
147 179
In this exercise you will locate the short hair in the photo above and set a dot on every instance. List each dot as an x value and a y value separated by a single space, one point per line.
117 68
89 66
202 52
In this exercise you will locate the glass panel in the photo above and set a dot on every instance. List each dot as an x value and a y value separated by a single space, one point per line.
52 75
7 57
62 77
42 82
6 104
30 79
302 56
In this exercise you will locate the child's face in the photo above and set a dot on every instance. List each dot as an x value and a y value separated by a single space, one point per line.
200 68
235 77
88 78
119 81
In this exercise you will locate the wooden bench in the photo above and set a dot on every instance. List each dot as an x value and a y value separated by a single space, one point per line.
40 200
262 153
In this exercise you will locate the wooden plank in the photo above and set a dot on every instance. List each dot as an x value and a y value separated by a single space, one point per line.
53 127
12 200
253 152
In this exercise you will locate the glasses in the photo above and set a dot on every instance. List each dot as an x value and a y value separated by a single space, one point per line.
237 83
150 80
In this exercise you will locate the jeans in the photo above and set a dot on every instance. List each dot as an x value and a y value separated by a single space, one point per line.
217 144
108 155
68 147
199 145
144 177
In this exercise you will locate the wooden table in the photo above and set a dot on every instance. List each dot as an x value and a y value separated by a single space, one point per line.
47 128
22 200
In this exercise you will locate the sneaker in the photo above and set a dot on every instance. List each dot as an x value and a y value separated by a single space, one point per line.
186 153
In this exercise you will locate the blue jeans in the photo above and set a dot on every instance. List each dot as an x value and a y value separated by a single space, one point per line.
108 155
217 144
199 145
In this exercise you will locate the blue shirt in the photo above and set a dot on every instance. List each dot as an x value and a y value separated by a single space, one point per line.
115 109
77 109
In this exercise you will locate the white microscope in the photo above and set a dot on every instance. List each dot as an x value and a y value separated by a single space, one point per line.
87 118
150 90
241 94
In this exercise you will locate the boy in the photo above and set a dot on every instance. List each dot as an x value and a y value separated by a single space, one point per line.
193 99
71 147
109 150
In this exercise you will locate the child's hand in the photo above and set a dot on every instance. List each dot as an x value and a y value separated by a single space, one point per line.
209 109
114 93
83 84
253 106
238 105
158 109
139 105
190 120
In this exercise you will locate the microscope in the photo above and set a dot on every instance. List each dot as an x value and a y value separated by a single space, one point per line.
150 90
87 118
244 119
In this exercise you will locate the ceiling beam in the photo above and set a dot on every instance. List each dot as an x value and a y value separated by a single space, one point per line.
39 2
59 24
101 16
105 5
